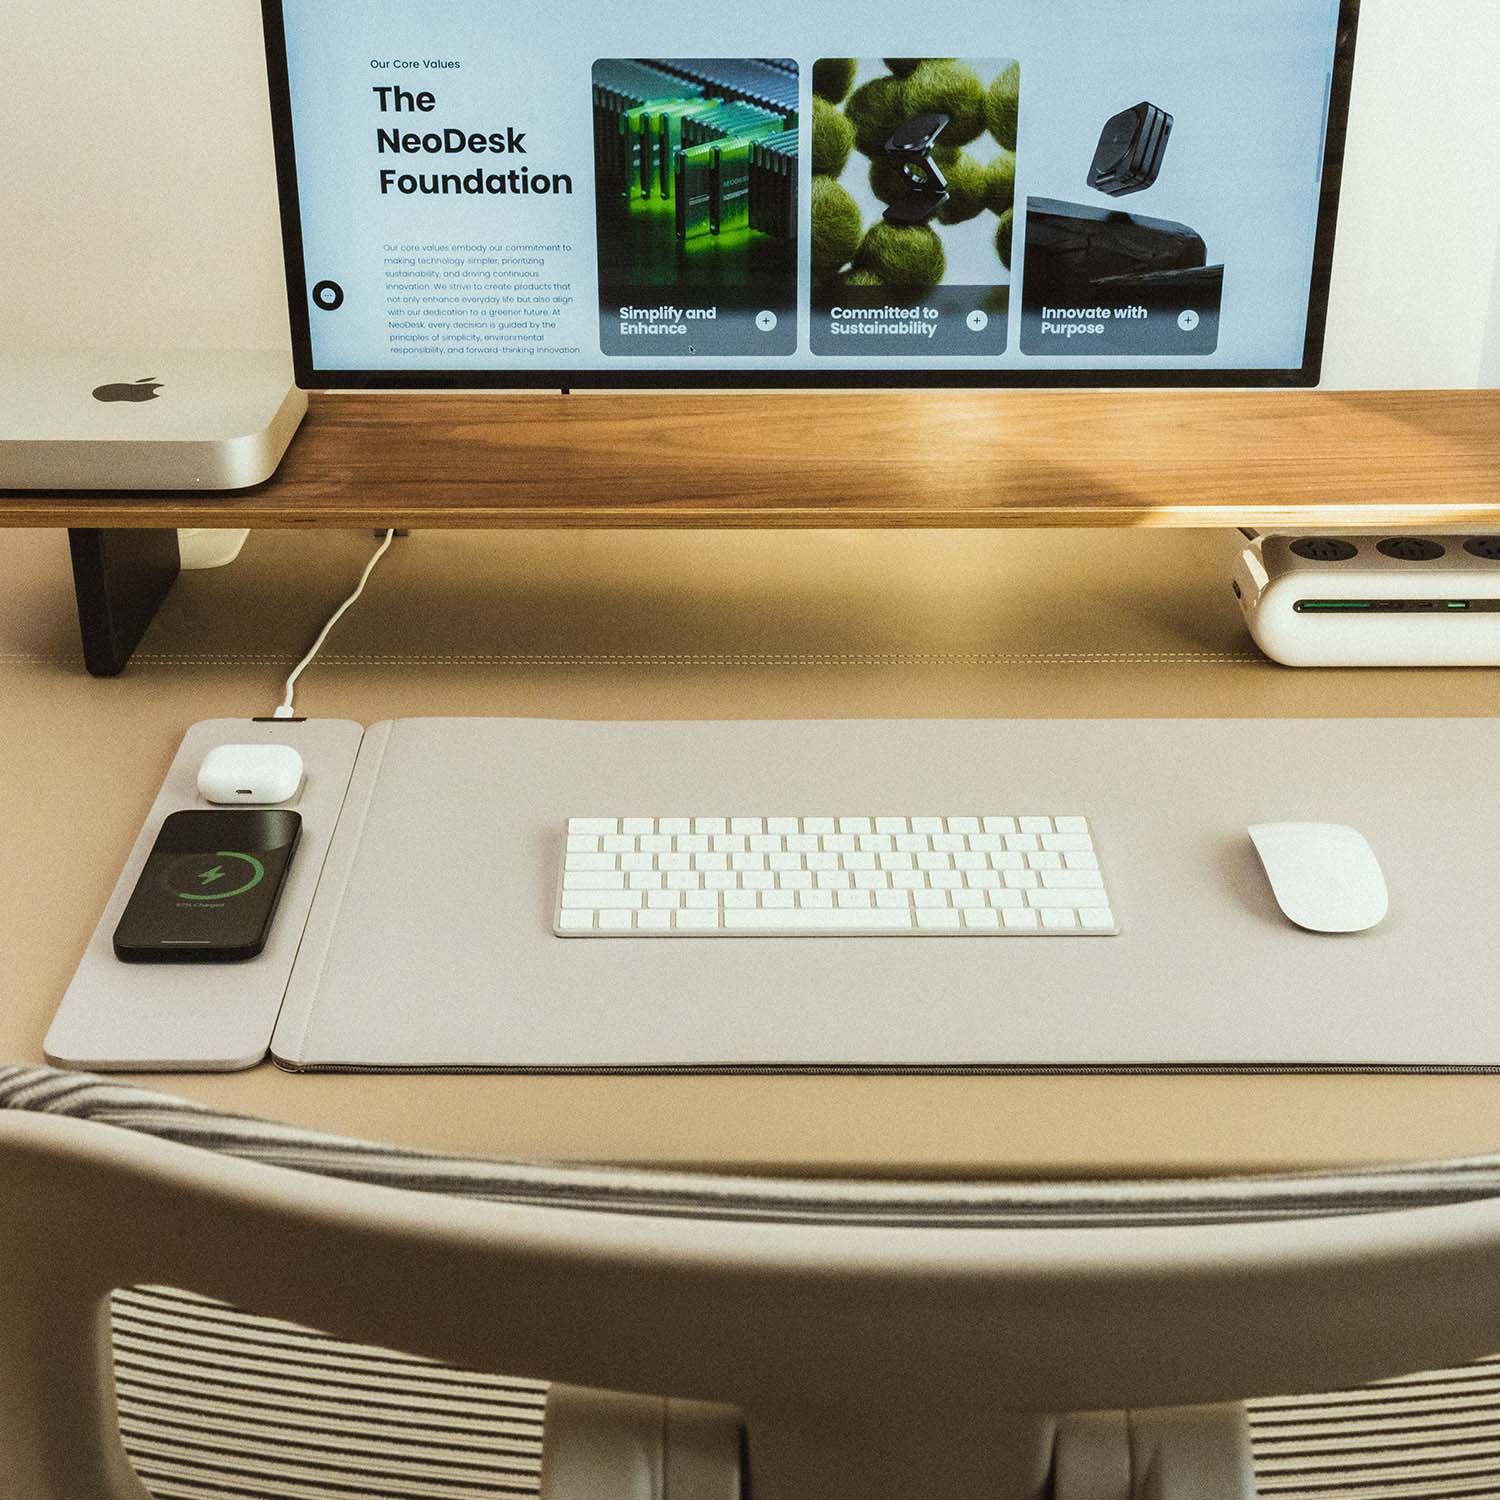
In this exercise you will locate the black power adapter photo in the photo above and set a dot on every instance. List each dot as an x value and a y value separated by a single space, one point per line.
1131 146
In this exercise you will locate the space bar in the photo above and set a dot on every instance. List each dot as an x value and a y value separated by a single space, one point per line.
816 919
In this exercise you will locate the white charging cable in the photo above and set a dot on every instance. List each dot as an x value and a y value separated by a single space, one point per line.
285 710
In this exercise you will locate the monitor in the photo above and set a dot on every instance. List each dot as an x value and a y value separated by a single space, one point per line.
1059 192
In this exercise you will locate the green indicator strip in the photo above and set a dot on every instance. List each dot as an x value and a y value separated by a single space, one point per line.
1394 606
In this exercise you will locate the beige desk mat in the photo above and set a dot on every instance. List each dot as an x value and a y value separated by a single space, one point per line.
689 625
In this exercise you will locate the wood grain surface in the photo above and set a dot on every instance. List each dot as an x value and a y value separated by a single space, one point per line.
857 459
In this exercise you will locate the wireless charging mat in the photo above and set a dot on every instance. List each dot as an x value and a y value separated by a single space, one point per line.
205 1017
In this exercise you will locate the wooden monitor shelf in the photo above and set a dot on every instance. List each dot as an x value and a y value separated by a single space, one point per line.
940 458
857 459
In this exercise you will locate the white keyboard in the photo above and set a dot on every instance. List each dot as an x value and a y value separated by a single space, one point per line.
1011 876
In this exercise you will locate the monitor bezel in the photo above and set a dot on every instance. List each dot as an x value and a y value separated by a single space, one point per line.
310 377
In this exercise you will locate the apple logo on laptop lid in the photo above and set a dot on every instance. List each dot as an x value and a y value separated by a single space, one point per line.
144 389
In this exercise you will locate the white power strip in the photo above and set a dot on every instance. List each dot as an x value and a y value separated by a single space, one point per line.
1373 601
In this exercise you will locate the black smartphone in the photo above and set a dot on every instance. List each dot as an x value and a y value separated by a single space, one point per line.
210 886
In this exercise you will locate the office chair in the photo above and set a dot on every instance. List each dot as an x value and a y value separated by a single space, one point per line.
831 1340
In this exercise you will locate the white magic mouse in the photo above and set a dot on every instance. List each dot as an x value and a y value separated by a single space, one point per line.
1325 877
250 775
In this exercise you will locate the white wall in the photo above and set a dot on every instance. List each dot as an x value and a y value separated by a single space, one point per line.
141 208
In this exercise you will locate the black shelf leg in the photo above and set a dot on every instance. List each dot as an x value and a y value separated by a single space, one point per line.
120 577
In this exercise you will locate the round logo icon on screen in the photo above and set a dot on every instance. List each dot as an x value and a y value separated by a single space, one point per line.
766 321
978 320
328 295
1187 321
214 877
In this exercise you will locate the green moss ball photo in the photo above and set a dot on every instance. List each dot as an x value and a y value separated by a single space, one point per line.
833 77
887 181
836 227
968 191
907 257
1002 106
875 109
1000 187
941 86
904 67
1003 236
832 139
860 279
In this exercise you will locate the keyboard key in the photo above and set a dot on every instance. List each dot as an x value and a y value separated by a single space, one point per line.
579 845
963 825
1071 825
601 900
1088 861
593 826
708 825
1021 880
616 921
890 825
855 825
747 825
637 825
938 921
1036 825
927 825
836 919
929 900
1096 918
1021 921
700 901
576 921
998 825
1077 880
591 861
1055 918
982 917
1053 899
653 921
694 921
1068 843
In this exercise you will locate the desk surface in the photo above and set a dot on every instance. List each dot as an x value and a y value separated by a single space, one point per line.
1366 459
652 625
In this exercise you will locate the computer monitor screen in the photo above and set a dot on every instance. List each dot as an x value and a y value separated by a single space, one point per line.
1058 192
